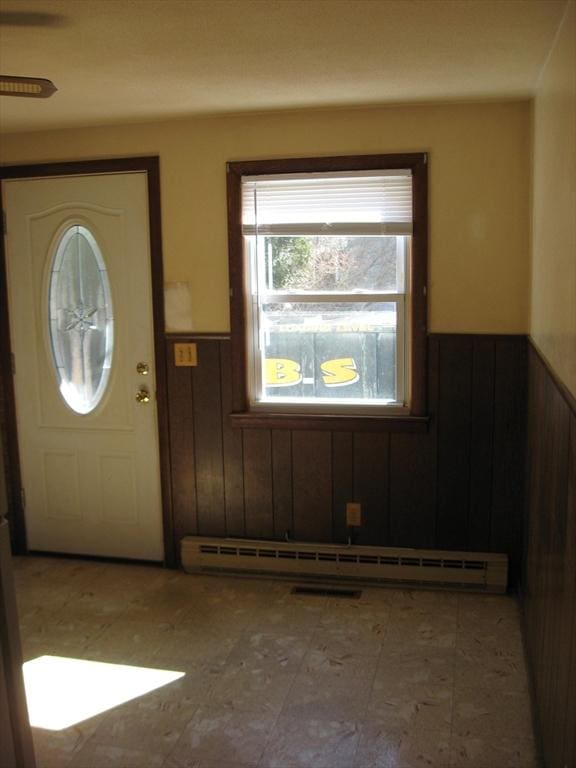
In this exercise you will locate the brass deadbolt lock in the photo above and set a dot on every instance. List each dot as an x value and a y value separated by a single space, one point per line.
143 396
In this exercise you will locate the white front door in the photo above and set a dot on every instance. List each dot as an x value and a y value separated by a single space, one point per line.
80 305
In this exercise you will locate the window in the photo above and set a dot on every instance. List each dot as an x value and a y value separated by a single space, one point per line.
328 296
81 319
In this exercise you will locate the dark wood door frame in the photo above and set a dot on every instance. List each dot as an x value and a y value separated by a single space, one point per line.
151 166
17 744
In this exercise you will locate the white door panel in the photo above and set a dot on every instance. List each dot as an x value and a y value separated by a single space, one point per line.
44 230
91 481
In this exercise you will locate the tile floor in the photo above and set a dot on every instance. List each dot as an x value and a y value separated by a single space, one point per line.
396 679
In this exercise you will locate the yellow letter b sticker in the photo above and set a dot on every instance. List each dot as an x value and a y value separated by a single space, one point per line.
281 372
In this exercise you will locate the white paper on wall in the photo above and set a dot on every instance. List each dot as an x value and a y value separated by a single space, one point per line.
178 307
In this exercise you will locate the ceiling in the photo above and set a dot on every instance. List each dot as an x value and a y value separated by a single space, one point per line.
133 60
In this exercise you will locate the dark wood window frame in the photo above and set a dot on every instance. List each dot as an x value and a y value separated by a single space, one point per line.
242 416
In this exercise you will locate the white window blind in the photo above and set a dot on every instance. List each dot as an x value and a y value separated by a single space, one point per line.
355 203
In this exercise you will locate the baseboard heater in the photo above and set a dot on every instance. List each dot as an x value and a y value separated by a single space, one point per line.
433 569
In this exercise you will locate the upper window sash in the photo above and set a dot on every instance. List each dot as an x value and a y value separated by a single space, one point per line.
260 274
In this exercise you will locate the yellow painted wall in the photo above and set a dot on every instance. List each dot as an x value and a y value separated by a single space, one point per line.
553 320
479 193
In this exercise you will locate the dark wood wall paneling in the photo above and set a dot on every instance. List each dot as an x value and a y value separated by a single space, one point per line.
459 486
549 574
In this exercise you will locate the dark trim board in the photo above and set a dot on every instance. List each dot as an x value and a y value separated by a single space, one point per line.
320 422
97 558
549 570
567 396
8 427
242 412
80 167
17 749
151 166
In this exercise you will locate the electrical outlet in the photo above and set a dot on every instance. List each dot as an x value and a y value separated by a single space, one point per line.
353 514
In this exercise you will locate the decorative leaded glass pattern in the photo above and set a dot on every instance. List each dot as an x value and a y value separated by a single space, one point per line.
81 319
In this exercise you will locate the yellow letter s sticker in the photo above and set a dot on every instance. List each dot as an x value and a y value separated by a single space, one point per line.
340 372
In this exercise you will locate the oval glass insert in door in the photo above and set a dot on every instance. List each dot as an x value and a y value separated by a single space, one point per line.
81 319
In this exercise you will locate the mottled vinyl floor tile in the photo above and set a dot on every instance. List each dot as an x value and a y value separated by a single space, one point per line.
359 639
220 735
67 634
251 690
164 608
421 630
122 577
490 611
38 633
154 722
489 624
395 679
55 571
378 745
402 667
311 743
126 642
337 659
56 749
475 752
43 597
186 642
491 714
373 617
423 750
94 755
299 616
338 696
492 668
428 600
274 651
132 728
384 747
91 604
206 605
183 762
485 638
413 708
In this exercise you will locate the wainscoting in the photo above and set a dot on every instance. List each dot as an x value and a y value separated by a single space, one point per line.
459 486
549 578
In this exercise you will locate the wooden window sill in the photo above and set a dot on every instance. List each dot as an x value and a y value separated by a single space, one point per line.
401 424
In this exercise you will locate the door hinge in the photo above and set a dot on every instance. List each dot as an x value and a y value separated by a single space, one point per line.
4 227
23 498
13 363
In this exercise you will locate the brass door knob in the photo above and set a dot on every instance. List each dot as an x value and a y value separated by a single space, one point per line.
142 368
143 396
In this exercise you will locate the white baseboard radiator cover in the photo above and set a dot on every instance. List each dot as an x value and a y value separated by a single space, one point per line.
422 568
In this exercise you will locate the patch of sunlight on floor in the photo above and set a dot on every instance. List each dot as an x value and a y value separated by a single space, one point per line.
62 692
